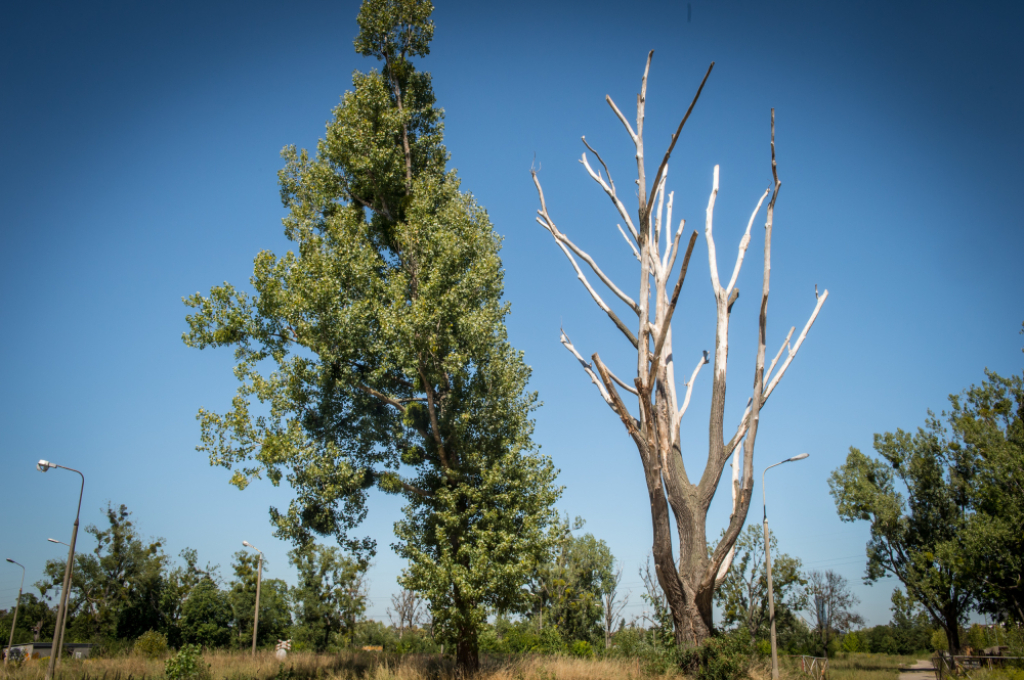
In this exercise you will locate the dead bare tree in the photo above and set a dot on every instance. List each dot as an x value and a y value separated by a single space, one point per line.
612 605
406 611
689 584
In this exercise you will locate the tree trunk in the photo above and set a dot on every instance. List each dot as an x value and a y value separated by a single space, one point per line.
467 654
689 585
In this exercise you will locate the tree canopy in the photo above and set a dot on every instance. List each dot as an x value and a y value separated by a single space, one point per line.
391 365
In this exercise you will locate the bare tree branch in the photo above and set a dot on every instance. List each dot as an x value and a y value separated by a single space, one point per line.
588 368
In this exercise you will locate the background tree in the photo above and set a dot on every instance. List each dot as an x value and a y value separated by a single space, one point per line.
612 603
116 591
406 611
275 604
391 366
330 596
206 616
569 588
688 583
743 595
179 583
830 603
914 537
36 620
987 423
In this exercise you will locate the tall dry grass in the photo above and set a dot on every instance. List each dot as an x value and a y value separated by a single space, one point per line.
344 666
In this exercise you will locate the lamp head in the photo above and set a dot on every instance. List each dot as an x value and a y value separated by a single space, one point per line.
44 465
247 544
10 560
53 540
799 456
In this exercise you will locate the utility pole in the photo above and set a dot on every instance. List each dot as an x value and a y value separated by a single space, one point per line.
259 579
14 623
58 631
768 564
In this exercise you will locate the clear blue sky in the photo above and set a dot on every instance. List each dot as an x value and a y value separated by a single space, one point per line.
140 148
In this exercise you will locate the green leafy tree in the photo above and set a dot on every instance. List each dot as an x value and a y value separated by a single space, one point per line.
385 328
275 612
987 422
330 596
116 591
911 625
206 616
568 589
36 620
179 583
743 595
914 497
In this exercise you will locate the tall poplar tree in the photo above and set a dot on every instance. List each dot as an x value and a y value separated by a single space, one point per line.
391 368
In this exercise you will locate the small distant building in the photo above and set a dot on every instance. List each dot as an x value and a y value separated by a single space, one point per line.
41 650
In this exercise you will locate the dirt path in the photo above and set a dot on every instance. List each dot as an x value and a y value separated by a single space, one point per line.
921 670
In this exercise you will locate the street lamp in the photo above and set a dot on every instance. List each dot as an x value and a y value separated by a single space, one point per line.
58 642
768 563
10 643
259 578
64 627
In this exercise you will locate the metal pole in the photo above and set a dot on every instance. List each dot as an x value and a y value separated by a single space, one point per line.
256 617
64 624
62 608
768 565
14 623
771 600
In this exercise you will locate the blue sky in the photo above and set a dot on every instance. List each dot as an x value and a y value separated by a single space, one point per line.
140 147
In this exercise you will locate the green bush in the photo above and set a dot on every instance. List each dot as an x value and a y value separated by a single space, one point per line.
581 649
187 664
151 645
939 641
720 658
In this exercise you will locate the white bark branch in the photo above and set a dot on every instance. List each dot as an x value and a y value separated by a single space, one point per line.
709 215
629 128
610 190
796 347
583 255
785 344
686 399
589 368
744 242
636 253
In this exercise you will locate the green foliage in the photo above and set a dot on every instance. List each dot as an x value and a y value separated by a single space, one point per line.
116 590
987 422
34 611
743 596
725 657
187 664
206 616
938 641
852 642
275 609
151 645
567 589
330 596
391 368
910 535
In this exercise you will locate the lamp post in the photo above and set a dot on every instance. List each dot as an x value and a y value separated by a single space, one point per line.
768 564
14 623
259 578
58 629
64 626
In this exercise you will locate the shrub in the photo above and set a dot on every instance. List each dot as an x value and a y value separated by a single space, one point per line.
582 649
187 664
151 645
939 641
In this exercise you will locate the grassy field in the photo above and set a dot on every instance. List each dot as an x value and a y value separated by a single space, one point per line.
376 666
862 666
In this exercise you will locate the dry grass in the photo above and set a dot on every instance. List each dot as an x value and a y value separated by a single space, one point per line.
856 666
344 666
376 666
